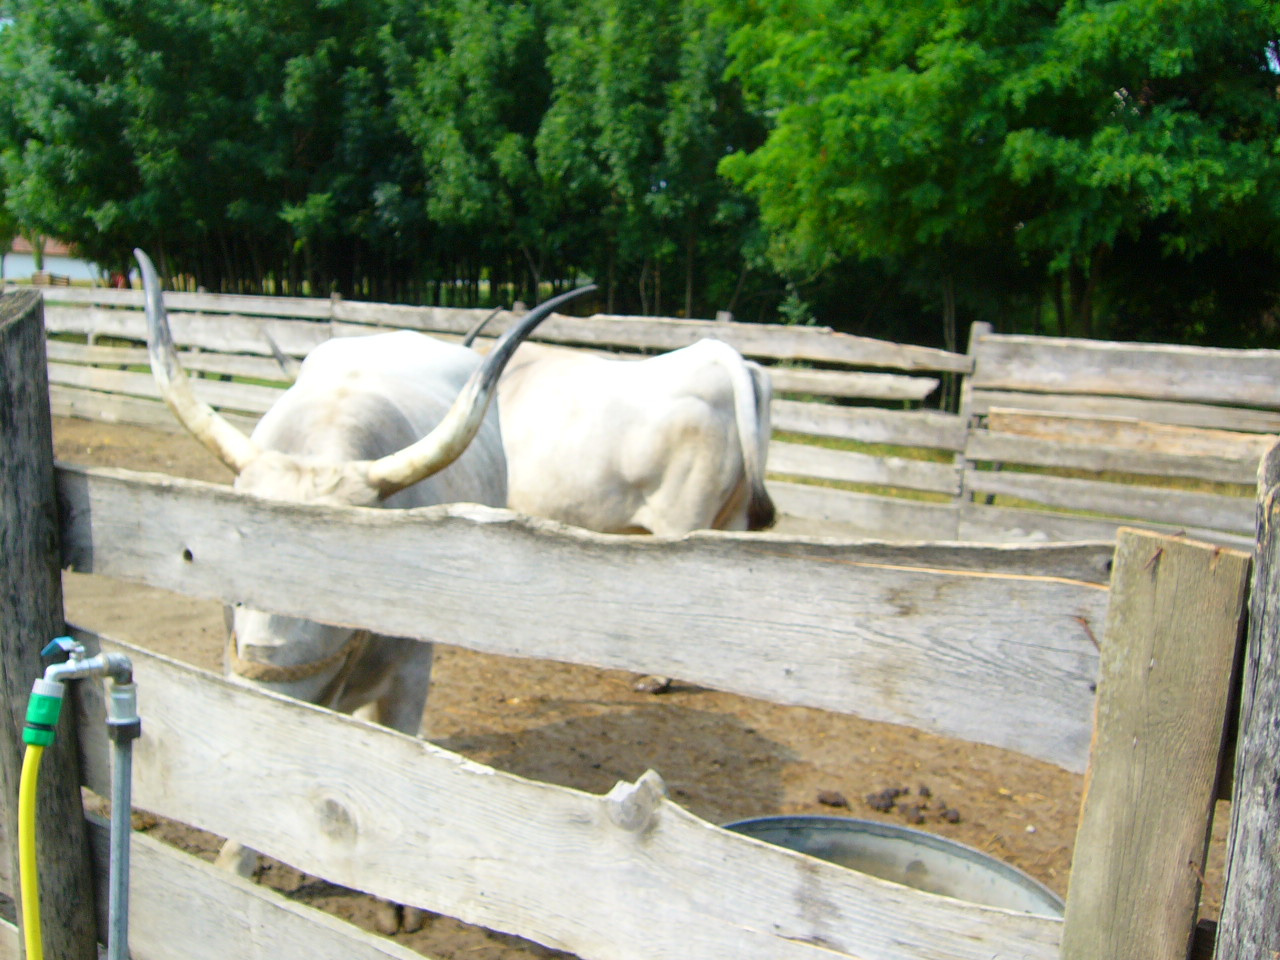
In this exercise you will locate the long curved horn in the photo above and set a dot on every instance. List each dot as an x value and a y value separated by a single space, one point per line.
474 332
226 442
449 439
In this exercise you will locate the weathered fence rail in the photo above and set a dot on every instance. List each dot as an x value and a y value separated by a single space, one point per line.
1001 644
1080 434
1055 440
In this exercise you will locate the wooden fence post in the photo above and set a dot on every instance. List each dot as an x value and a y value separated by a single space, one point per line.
1249 928
31 614
1174 625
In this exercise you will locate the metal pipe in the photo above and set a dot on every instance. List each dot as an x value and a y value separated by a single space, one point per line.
123 726
114 665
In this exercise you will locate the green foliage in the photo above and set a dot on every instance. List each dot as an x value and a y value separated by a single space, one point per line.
1041 138
1062 166
640 115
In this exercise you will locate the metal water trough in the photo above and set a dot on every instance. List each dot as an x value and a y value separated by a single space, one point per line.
910 857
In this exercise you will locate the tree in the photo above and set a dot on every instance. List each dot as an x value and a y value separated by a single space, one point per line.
470 86
1039 137
244 142
640 114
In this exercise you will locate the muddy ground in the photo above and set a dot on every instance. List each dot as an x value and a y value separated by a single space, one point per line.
722 756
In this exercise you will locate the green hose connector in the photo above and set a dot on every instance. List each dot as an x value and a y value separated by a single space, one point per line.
43 710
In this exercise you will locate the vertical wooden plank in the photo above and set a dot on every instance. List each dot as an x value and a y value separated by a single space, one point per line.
1249 928
1173 629
977 331
30 614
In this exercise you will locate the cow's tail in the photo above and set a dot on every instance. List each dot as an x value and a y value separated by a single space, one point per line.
752 394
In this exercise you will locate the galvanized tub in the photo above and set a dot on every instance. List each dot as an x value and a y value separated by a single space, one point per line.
910 857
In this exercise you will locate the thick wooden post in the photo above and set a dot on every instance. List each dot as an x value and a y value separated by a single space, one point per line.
31 614
1174 625
1250 925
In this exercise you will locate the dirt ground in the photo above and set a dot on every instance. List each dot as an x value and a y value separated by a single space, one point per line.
722 756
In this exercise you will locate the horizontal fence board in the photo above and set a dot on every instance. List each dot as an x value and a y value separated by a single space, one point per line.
841 383
301 308
633 877
243 397
1149 370
1134 435
118 408
986 445
851 467
357 316
908 428
1212 511
193 361
1002 658
865 514
229 333
982 523
1188 414
182 908
774 341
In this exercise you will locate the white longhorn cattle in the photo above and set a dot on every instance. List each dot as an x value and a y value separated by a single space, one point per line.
663 445
389 420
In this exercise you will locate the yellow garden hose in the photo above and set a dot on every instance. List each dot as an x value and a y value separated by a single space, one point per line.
123 727
43 710
29 879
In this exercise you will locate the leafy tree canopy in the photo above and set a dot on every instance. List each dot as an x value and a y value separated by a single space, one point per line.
1052 134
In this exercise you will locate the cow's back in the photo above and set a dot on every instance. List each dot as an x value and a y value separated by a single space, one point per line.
620 445
361 398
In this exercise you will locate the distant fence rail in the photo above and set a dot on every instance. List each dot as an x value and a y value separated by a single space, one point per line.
1055 439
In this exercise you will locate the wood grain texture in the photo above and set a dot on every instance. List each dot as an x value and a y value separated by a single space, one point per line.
1173 630
1146 370
865 515
226 333
243 397
193 361
182 908
841 383
1251 899
850 467
30 616
1129 434
623 876
1158 411
773 341
908 428
988 445
1122 500
310 308
896 633
990 524
118 408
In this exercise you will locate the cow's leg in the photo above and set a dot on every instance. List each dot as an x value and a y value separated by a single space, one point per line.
402 706
389 684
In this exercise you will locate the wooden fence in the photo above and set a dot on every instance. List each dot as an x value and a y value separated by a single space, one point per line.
1022 646
1054 440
